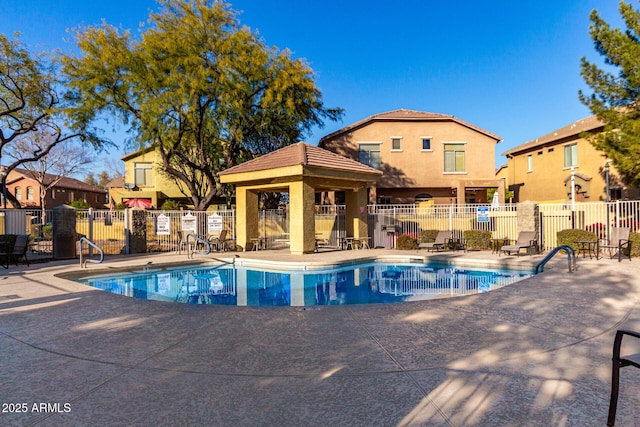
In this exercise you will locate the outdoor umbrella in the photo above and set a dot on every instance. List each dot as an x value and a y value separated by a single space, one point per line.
139 203
495 203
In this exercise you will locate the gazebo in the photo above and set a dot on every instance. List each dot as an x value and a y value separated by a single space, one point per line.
302 170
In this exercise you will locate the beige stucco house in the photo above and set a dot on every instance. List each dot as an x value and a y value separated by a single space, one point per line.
540 170
424 157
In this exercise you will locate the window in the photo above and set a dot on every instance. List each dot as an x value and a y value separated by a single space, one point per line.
454 158
142 174
426 143
529 163
369 154
384 200
395 143
570 155
615 193
18 193
30 193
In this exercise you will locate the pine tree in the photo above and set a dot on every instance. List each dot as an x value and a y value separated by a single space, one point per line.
616 91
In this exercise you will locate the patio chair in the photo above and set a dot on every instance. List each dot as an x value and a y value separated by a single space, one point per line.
618 243
620 362
443 239
219 241
20 249
526 240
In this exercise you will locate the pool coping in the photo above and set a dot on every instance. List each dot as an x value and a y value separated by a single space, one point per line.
307 265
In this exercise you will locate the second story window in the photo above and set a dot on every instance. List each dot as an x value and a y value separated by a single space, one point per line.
426 143
529 163
30 193
395 143
369 154
18 193
454 158
142 174
570 155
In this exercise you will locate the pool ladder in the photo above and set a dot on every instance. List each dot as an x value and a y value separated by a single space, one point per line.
196 240
571 257
90 244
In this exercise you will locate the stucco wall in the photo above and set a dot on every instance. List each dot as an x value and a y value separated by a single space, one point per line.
417 170
545 182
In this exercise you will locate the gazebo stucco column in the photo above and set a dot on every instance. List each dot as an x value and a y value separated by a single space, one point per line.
246 216
356 218
302 225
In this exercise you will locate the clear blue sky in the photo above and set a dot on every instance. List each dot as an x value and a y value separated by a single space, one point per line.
512 68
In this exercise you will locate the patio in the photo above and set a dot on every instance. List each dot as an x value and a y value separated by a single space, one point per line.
534 353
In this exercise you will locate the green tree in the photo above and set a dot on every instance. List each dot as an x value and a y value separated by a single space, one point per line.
616 91
206 91
29 104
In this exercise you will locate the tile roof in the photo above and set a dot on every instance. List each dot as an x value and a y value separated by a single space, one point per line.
116 182
301 154
573 130
409 115
65 182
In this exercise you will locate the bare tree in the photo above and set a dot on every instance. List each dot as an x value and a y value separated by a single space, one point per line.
29 103
63 159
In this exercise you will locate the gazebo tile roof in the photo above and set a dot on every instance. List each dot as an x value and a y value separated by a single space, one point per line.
301 154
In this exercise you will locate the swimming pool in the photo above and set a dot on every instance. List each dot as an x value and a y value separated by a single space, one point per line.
365 283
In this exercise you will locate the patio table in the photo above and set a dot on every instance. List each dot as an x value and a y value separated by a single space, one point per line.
587 247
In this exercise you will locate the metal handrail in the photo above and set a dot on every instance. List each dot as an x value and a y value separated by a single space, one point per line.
196 240
571 256
90 244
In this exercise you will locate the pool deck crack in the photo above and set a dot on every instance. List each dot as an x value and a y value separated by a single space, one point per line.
402 369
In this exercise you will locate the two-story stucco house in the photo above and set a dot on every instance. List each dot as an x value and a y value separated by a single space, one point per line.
423 156
144 181
540 170
24 185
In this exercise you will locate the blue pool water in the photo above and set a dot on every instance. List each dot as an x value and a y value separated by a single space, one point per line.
373 282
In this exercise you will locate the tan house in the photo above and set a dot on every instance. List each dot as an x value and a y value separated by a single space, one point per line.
540 170
424 157
24 185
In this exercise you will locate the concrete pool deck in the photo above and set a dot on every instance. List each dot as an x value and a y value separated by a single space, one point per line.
534 353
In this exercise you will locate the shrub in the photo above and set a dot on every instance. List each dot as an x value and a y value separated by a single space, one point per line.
571 236
634 238
79 204
427 236
406 242
170 205
478 239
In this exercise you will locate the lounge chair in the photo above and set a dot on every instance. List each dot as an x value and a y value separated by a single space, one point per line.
526 240
618 243
20 249
443 238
